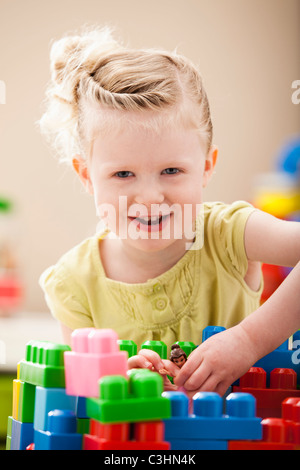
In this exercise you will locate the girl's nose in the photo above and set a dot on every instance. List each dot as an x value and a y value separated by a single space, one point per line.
149 192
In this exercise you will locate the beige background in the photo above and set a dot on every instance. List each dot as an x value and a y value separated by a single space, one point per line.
248 52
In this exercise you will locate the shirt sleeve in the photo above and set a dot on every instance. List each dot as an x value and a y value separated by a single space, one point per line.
65 298
229 230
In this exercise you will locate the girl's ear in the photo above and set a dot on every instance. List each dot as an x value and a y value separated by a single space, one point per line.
210 163
80 166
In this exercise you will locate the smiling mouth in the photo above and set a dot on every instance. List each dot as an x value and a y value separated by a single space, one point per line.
150 220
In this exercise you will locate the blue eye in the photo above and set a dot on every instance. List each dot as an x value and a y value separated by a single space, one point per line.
123 174
171 171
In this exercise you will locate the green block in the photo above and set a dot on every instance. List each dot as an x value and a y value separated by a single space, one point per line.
158 346
44 364
133 400
9 430
26 403
8 443
6 401
186 346
128 345
83 425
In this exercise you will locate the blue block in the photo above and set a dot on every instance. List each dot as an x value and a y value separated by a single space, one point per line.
81 407
208 421
61 433
193 444
47 399
21 435
211 331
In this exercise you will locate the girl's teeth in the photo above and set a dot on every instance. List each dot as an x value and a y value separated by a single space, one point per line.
149 220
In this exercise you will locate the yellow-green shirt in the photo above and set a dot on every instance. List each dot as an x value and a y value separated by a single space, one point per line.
205 287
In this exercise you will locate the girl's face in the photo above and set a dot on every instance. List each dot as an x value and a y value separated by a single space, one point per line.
148 185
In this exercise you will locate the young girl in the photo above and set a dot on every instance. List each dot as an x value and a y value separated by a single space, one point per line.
136 126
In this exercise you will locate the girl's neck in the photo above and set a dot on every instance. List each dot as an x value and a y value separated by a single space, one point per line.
124 263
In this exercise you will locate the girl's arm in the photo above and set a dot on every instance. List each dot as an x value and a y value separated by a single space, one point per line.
225 357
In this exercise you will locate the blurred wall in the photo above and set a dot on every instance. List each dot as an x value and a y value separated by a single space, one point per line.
247 50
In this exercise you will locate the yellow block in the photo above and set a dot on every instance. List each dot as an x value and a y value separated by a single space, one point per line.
16 396
278 204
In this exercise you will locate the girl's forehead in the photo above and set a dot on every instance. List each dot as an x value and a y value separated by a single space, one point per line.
135 145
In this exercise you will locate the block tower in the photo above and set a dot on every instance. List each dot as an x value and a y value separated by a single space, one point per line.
125 408
37 391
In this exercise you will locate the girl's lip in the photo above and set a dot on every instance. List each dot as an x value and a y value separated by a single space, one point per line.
144 216
151 227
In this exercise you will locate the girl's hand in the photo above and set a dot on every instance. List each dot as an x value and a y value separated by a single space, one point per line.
148 359
217 362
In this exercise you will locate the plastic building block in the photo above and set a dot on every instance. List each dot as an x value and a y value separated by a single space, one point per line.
83 425
283 358
194 444
111 432
21 435
26 402
283 384
137 399
210 331
146 436
48 399
61 434
208 422
158 346
186 346
16 397
8 433
81 407
291 416
44 364
129 346
30 447
278 433
95 443
95 354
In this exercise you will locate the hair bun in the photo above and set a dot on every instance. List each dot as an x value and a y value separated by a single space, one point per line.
80 52
175 346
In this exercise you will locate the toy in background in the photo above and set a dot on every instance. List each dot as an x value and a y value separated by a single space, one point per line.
86 398
278 193
11 289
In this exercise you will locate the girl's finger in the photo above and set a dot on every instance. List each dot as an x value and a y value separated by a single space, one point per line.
197 378
139 362
192 364
152 357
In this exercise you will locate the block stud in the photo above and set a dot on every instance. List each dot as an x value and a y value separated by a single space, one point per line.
62 422
241 405
285 379
179 404
113 387
208 404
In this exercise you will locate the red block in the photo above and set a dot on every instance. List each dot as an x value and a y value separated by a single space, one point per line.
283 384
96 443
110 432
259 445
149 431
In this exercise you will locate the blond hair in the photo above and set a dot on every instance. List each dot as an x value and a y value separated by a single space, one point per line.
97 83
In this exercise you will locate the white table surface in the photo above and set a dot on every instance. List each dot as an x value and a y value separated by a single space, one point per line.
16 330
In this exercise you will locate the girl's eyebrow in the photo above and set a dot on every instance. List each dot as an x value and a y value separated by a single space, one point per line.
168 164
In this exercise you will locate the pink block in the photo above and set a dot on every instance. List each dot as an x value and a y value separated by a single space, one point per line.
95 353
